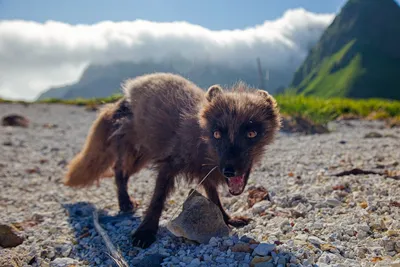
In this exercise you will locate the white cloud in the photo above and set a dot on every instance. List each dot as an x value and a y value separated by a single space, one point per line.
34 56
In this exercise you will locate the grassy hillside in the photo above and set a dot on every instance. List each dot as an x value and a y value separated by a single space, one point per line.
358 55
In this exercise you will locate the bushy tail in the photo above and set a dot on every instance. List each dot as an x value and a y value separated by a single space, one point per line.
97 155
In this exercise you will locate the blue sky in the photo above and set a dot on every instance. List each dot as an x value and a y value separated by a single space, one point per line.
212 14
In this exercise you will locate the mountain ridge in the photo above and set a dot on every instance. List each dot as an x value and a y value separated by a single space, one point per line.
104 80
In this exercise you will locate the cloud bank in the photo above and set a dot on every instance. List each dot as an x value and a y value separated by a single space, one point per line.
35 56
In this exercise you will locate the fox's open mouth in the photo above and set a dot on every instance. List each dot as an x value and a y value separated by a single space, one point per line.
236 184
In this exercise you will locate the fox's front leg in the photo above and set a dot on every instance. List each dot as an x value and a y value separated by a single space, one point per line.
212 194
145 234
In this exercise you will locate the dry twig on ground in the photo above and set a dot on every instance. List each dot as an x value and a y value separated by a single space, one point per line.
115 255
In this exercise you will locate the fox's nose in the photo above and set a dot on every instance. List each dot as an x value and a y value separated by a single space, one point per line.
229 171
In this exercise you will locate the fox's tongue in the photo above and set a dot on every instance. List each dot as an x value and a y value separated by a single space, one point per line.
236 184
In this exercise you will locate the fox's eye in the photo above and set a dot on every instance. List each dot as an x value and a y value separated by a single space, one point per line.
217 134
251 134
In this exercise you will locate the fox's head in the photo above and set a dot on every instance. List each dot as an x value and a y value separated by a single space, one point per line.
237 125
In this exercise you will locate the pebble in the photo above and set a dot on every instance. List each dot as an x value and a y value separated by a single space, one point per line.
264 249
315 240
228 242
62 262
333 202
195 262
207 257
187 259
213 242
242 247
261 206
64 249
258 260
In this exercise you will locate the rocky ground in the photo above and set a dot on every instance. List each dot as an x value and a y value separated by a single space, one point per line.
312 218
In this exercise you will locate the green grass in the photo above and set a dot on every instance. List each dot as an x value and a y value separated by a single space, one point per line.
322 110
318 109
82 101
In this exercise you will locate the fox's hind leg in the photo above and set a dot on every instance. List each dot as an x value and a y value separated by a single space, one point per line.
130 160
130 163
121 180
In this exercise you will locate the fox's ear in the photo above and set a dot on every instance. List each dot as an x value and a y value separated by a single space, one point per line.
213 91
267 97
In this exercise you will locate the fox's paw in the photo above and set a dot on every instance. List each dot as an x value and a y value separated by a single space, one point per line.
128 205
238 221
143 238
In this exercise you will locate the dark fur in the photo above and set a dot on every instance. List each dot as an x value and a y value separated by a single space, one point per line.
167 121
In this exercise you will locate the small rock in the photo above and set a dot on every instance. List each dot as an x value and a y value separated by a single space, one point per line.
200 220
264 249
9 237
302 237
387 244
315 240
324 258
364 205
333 202
49 125
363 227
285 226
207 257
318 225
299 211
373 135
213 242
397 246
257 260
151 260
392 232
245 239
361 234
241 247
187 259
256 195
63 262
7 143
261 206
360 251
64 249
329 247
220 259
228 242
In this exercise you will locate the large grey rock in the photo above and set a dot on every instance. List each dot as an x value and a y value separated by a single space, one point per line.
200 220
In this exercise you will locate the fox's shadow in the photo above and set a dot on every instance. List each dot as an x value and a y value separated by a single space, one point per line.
90 247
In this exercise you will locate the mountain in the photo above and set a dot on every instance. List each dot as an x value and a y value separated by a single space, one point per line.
104 80
358 55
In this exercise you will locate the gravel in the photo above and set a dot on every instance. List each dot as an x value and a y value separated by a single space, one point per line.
313 218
